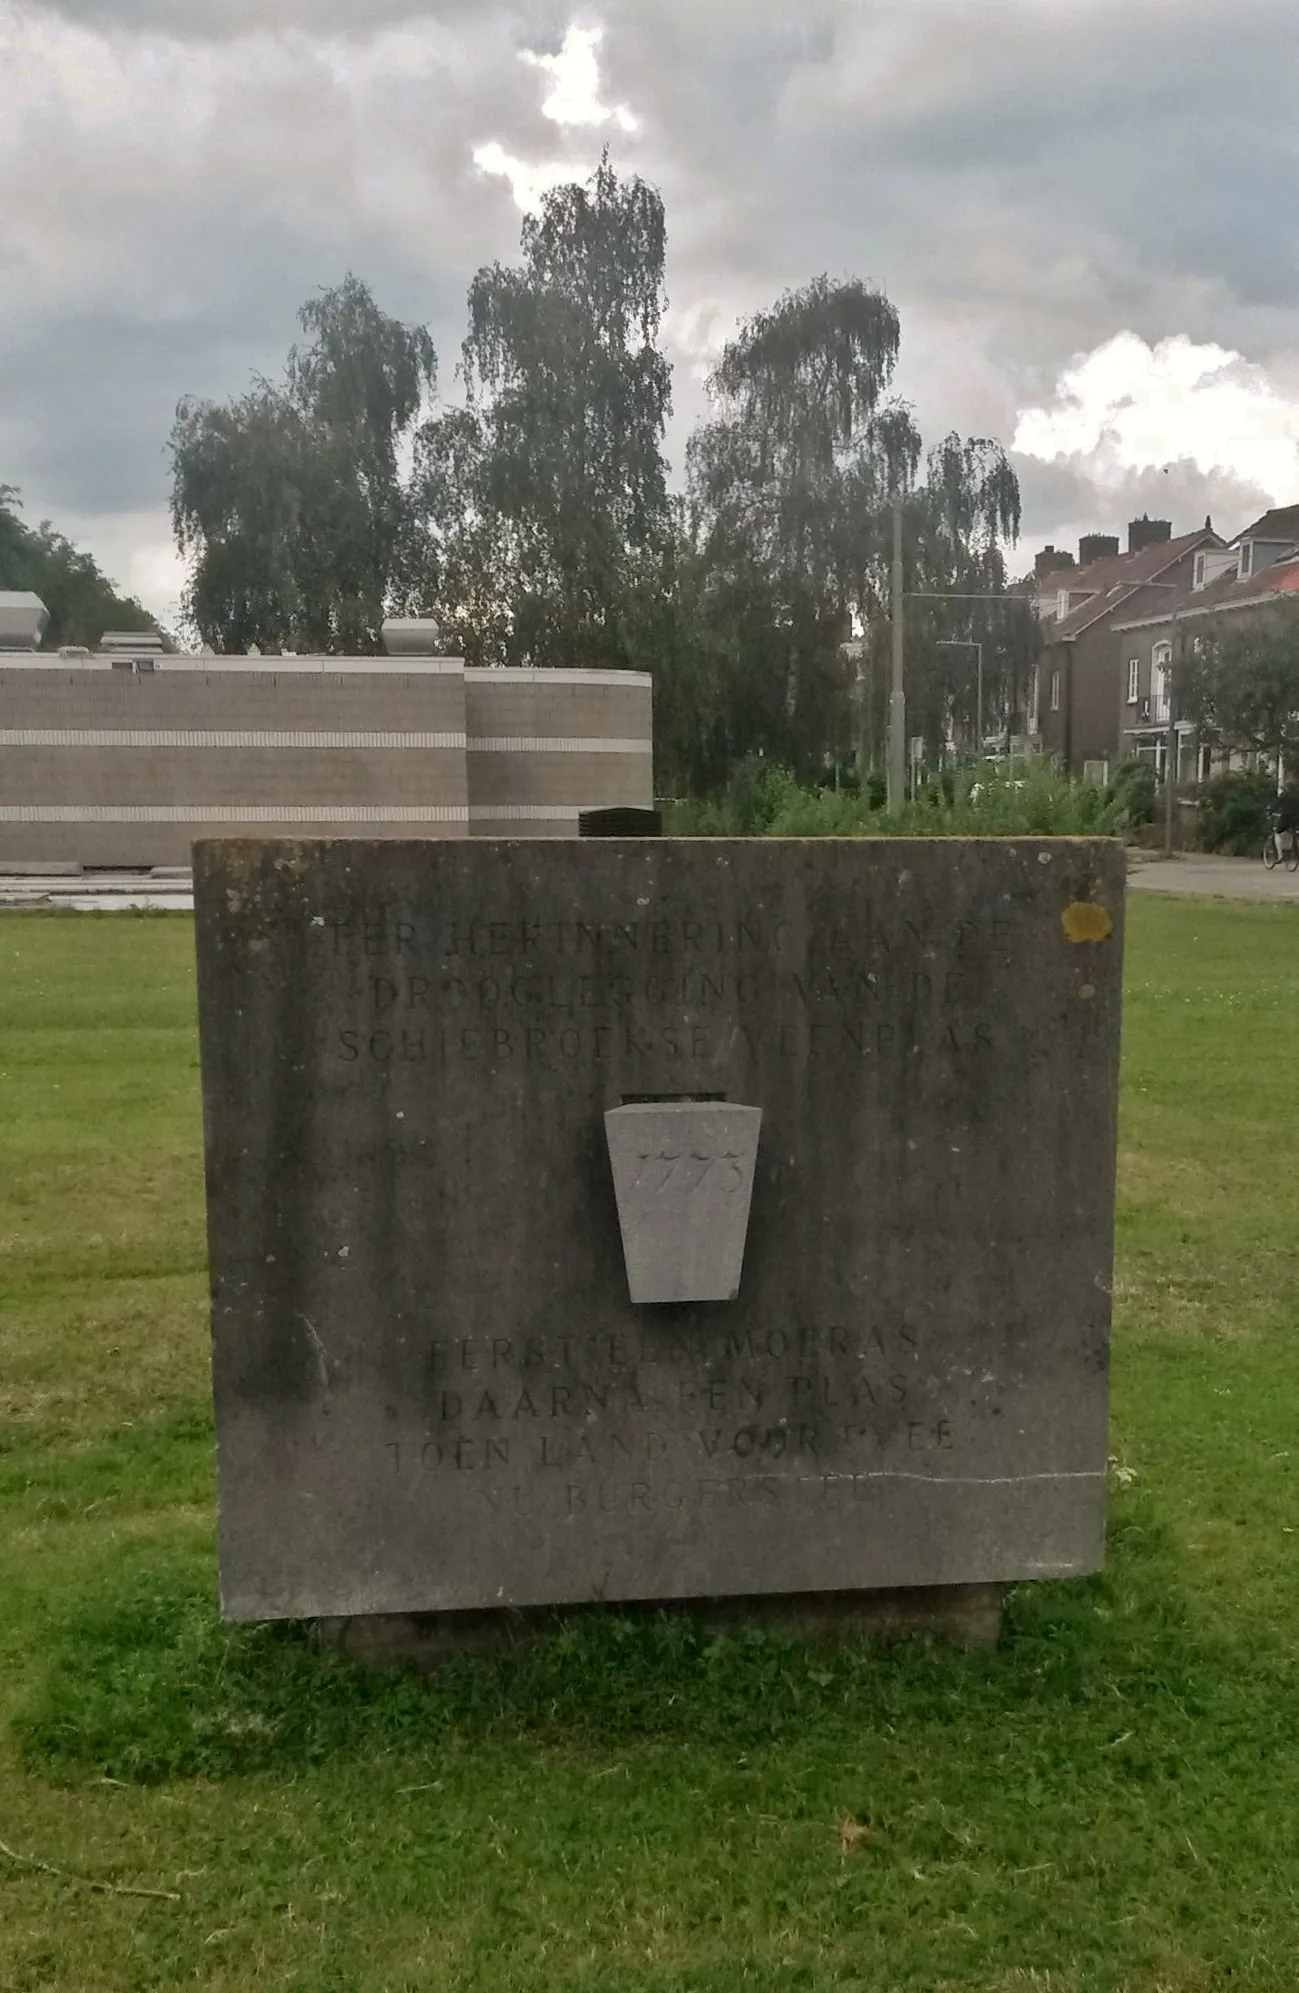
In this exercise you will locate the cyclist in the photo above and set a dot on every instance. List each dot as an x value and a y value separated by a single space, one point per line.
1284 818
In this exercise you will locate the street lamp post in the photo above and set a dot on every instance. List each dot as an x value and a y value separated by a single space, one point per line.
969 643
953 595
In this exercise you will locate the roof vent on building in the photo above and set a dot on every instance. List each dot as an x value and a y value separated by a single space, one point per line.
412 636
1147 532
23 619
131 643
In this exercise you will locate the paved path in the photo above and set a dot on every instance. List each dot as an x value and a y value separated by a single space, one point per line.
105 892
1197 873
1189 874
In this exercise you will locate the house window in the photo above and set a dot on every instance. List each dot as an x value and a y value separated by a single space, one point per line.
1134 680
1062 604
1161 666
1055 691
1243 569
1199 570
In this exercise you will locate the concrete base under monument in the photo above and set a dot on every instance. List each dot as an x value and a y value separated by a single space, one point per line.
969 1615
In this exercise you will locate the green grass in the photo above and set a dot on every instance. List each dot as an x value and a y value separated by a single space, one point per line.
1107 1804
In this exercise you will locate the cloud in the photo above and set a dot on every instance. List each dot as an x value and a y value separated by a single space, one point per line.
575 97
1117 408
1029 180
527 183
167 209
573 101
137 551
1177 428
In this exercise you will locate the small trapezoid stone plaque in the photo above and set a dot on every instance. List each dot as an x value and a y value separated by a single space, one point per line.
683 1175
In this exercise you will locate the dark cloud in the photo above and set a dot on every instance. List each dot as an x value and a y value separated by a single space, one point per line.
92 389
1112 160
1062 502
1026 179
223 20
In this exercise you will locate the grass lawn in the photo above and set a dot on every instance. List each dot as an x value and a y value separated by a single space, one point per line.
1110 1801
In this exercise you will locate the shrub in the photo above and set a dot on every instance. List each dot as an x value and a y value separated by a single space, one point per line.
979 799
1134 788
753 798
1010 799
823 813
1233 814
755 793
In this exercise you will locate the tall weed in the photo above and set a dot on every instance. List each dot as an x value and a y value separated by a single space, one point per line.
981 799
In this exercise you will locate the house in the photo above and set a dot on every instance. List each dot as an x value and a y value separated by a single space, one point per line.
1075 707
1269 540
1245 578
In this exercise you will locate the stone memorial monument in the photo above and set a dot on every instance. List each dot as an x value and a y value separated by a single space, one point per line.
656 1219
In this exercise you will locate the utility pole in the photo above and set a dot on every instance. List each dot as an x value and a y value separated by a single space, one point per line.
865 745
897 693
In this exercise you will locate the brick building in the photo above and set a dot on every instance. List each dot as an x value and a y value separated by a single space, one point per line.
1227 587
124 756
1075 708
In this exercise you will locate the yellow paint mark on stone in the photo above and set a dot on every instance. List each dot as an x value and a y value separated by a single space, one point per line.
1085 921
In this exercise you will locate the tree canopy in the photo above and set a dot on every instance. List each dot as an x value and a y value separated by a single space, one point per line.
545 497
792 484
290 502
1241 684
81 599
538 524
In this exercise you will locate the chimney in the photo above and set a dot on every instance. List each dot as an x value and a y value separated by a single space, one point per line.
1147 532
1096 547
23 619
1050 562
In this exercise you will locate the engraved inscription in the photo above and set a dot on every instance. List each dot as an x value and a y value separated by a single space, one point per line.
688 1418
688 1169
499 993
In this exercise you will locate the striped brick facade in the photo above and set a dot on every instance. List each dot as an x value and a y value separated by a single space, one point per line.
543 745
108 765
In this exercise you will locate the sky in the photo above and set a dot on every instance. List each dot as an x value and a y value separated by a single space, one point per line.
1086 212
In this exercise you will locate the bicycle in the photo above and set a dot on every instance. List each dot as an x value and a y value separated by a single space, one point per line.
1281 847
